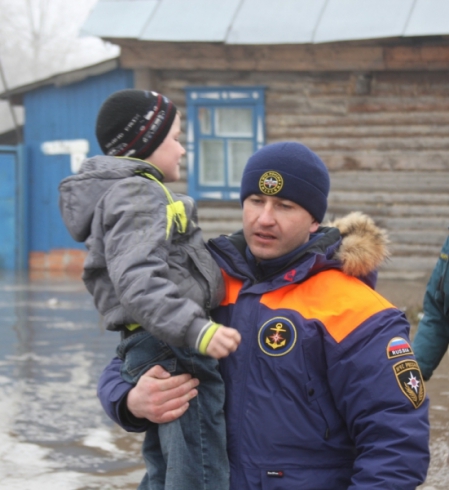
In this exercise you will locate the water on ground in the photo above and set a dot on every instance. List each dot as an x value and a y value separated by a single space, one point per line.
53 432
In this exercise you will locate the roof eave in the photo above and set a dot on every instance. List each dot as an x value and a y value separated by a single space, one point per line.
15 94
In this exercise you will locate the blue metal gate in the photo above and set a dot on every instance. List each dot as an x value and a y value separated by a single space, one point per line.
55 114
12 241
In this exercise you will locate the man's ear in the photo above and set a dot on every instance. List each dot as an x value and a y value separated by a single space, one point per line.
314 226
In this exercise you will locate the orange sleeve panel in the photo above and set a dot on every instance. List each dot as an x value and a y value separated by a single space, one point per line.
232 287
338 301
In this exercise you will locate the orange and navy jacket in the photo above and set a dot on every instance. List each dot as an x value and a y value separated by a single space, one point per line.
324 391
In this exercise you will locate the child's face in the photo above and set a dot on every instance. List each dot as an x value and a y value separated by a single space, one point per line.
167 155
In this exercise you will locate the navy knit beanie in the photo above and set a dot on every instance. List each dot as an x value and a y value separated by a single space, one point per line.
134 123
291 171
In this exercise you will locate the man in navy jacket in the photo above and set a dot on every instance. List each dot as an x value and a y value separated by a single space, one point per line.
324 390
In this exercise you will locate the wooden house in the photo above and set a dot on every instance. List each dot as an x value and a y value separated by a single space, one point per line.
365 84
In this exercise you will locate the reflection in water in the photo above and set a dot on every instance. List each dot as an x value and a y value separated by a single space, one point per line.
53 432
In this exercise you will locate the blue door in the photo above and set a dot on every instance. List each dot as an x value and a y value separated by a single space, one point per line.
8 207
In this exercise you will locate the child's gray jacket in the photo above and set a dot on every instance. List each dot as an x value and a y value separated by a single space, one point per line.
147 263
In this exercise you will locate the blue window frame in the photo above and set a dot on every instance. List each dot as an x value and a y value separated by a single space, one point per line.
225 126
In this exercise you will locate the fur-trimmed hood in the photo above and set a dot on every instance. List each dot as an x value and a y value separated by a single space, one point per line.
353 244
364 245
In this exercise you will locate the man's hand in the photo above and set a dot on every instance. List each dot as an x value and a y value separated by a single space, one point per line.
224 341
160 397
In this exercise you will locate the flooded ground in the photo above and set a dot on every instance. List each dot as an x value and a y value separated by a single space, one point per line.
53 432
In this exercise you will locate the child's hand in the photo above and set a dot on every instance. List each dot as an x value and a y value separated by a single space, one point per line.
224 341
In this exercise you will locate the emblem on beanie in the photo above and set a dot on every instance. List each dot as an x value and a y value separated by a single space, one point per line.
271 183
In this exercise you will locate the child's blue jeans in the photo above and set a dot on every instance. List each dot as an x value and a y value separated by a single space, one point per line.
190 452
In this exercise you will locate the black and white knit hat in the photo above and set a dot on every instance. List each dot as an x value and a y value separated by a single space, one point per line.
134 123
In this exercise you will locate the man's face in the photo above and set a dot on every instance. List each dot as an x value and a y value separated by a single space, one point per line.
274 226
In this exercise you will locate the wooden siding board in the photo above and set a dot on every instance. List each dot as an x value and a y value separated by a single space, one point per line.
436 238
385 211
417 57
404 181
402 161
413 268
345 56
399 104
386 198
356 119
368 144
201 56
411 249
405 83
418 223
342 130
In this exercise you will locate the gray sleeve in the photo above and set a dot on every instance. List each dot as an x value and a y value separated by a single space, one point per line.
136 252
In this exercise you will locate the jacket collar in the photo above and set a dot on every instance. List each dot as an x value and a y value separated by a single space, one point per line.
316 253
354 244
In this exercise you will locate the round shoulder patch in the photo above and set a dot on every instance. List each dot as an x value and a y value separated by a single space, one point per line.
271 183
277 336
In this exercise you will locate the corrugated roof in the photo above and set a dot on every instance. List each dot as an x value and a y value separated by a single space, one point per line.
429 18
266 21
359 19
197 20
275 22
120 18
61 79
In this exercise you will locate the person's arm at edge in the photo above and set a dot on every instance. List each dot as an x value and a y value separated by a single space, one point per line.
432 337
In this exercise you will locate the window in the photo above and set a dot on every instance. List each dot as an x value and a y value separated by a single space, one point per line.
225 126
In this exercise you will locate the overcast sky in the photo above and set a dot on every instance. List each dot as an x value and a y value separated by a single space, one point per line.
39 38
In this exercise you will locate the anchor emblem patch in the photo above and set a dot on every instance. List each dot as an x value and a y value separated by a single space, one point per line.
277 336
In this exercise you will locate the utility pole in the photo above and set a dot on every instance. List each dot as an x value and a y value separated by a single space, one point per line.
11 107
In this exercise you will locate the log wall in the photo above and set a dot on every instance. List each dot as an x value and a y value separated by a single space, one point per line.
380 122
